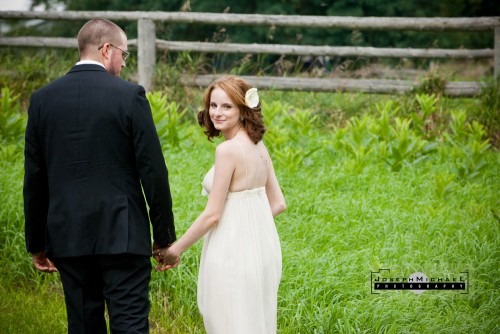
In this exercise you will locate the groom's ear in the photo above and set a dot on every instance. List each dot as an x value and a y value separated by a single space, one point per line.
104 49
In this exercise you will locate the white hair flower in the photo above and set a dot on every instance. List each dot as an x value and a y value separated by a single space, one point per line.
252 98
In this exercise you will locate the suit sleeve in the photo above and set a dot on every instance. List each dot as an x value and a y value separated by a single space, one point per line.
35 189
152 171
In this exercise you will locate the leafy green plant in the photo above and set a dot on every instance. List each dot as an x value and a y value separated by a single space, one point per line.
357 140
458 125
168 120
405 147
431 84
10 152
469 149
427 120
470 156
300 124
489 112
386 111
287 127
271 112
359 160
444 184
26 70
276 135
12 123
249 64
172 69
289 158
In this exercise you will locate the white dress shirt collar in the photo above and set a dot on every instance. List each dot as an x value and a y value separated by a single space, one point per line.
89 62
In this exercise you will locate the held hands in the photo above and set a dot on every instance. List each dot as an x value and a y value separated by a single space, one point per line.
166 257
42 263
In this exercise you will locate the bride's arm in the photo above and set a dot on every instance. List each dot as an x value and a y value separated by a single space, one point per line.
273 191
224 168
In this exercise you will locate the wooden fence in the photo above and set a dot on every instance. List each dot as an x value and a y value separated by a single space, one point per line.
147 44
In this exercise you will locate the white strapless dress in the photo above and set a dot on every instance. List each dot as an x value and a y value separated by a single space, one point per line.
240 268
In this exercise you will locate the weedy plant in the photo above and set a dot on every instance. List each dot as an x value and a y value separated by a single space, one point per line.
428 120
427 105
444 184
171 69
386 113
489 112
276 137
249 64
168 120
405 146
12 123
468 149
25 70
433 83
287 128
358 141
12 126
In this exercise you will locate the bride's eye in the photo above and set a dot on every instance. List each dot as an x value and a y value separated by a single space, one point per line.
213 105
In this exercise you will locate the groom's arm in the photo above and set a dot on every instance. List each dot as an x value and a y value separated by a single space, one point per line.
152 171
35 188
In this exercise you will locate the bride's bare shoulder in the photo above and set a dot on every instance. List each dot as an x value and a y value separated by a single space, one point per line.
226 149
263 148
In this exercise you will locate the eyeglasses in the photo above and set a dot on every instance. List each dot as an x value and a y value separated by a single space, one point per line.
125 54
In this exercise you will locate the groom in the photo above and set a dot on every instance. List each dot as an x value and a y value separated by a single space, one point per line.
91 156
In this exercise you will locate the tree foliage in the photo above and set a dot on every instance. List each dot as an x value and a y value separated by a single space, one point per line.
245 34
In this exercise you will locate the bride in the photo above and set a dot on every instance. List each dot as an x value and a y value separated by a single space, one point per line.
240 267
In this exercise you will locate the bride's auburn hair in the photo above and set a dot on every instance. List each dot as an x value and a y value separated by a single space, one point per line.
235 89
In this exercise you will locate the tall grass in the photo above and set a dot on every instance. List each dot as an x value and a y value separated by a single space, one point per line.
410 185
352 213
406 182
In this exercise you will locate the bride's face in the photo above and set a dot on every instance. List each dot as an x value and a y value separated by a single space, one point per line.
225 114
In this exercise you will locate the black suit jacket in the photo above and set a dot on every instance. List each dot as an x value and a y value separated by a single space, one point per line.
90 144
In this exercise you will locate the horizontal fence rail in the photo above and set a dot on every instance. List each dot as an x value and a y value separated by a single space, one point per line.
342 22
297 50
453 89
308 50
147 44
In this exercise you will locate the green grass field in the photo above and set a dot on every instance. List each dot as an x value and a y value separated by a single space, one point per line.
412 191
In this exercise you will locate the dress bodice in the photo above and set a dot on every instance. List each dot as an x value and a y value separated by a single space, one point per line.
209 179
207 182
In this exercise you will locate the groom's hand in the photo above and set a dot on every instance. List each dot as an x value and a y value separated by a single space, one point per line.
42 263
156 252
167 258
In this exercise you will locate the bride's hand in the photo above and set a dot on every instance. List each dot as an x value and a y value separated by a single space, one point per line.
168 258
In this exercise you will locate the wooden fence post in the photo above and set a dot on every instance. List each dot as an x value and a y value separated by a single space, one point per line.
146 49
496 55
